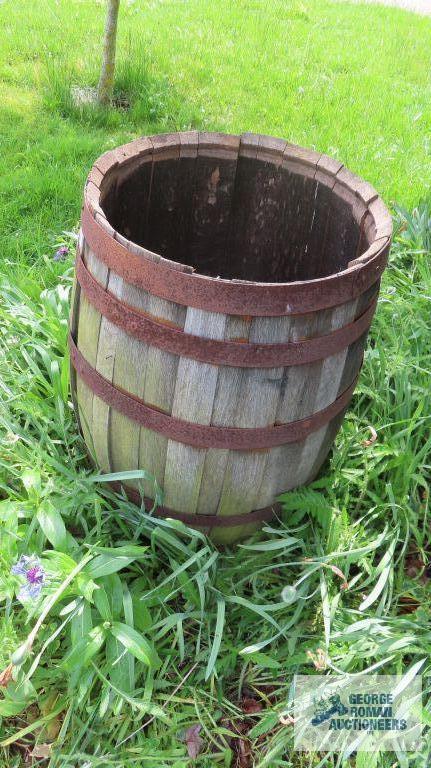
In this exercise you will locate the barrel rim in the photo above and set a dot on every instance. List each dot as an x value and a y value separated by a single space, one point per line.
359 273
171 338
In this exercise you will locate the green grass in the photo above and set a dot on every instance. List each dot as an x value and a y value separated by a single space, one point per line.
213 629
351 81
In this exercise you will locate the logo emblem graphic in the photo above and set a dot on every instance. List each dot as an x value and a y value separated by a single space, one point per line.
327 707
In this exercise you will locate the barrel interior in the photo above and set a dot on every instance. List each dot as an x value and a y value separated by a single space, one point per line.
233 216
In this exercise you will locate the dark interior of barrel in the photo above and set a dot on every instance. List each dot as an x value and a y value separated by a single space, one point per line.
238 218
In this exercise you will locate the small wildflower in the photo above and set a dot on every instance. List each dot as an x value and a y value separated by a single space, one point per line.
319 659
6 676
286 719
61 253
372 439
29 567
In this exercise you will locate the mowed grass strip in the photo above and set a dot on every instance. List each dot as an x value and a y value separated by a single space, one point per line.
350 80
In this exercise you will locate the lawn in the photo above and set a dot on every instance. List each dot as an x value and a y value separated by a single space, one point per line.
153 631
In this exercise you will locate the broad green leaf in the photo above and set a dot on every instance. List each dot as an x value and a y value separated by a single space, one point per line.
129 620
32 482
364 626
61 561
161 535
85 586
17 696
126 550
103 565
135 644
10 708
326 609
263 660
132 474
85 649
259 609
114 592
81 623
120 671
105 696
53 526
271 544
381 581
218 634
141 615
127 605
408 677
69 607
267 723
102 603
180 639
143 705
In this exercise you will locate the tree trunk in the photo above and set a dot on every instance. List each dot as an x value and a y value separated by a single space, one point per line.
106 82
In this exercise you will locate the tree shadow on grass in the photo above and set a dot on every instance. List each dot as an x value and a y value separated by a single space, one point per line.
141 100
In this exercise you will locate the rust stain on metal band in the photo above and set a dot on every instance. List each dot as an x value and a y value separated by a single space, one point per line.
199 435
197 521
217 352
232 297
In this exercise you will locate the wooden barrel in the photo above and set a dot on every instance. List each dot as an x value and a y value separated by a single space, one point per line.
224 289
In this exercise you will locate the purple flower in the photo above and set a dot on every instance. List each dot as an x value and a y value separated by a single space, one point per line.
31 569
61 254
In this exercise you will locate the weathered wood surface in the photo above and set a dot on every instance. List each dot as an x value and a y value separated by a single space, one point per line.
193 401
216 481
128 372
258 396
88 327
255 204
225 406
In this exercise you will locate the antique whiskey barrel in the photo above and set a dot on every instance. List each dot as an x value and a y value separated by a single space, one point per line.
224 289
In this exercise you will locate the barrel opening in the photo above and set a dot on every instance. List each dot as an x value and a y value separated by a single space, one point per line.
238 217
